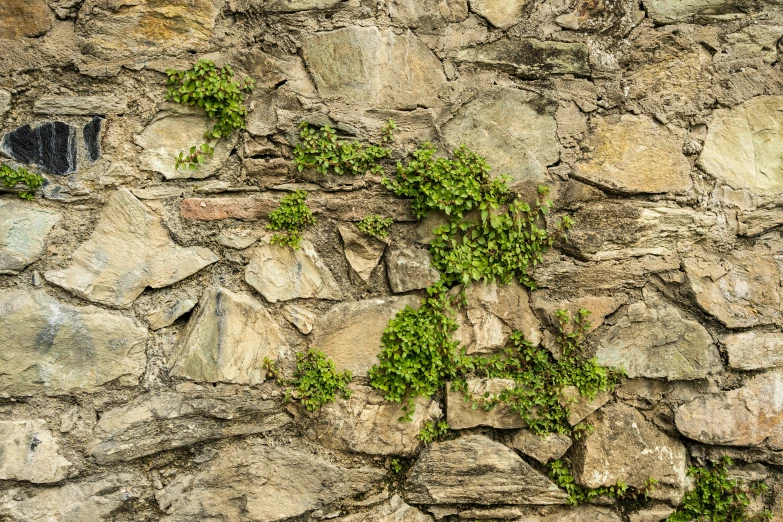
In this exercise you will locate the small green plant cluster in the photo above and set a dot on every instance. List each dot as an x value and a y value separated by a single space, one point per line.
292 216
270 367
490 234
322 151
395 466
558 471
717 498
316 381
432 431
13 177
217 92
375 226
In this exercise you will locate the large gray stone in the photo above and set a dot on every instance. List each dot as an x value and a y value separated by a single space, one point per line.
371 66
461 415
514 130
500 13
156 422
408 268
23 229
128 251
227 340
350 333
55 348
653 339
274 482
754 350
29 452
530 58
280 273
746 416
362 251
474 469
744 145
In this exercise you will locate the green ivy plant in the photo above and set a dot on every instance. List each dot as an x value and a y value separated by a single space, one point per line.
375 226
432 431
291 217
322 151
217 92
10 178
316 380
558 471
717 498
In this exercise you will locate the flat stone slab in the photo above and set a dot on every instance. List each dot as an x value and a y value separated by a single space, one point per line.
23 229
29 452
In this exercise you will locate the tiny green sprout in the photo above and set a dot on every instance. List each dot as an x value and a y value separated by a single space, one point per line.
270 367
10 178
195 157
396 466
291 217
375 226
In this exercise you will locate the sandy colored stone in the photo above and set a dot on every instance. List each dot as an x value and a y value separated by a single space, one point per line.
656 513
29 452
169 312
581 406
428 14
514 130
500 13
395 509
227 340
80 105
754 350
24 18
529 57
350 333
301 318
673 11
55 348
362 251
636 155
291 6
23 230
128 251
461 415
280 273
543 449
546 305
367 65
582 513
408 268
474 469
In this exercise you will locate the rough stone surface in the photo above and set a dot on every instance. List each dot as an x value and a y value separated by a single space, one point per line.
409 269
295 478
157 422
583 514
747 416
300 317
280 273
529 57
22 18
428 14
23 230
291 6
513 129
394 509
55 348
744 144
634 154
170 312
500 13
754 350
654 514
80 105
580 407
461 415
624 446
654 339
551 447
366 423
350 333
672 11
128 251
29 452
227 340
362 251
473 469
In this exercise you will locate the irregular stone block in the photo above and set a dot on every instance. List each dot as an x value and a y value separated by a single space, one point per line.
370 66
300 317
408 268
393 509
754 350
543 449
546 306
500 13
29 452
156 422
169 312
227 340
280 273
80 105
461 415
580 406
350 333
55 348
624 446
514 130
474 469
428 14
5 102
362 251
23 230
291 6
128 251
530 58
298 481
656 513
634 154
51 146
674 11
91 133
582 513
24 18
746 416
366 423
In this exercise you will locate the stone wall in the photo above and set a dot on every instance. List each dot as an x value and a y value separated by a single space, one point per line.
137 301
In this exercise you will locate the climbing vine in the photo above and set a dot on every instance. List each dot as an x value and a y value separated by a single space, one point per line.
10 178
291 217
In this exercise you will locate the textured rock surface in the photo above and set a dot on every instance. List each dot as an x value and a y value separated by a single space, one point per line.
300 317
543 449
29 452
80 105
669 11
529 57
227 340
362 251
754 350
461 415
500 13
128 251
394 509
428 14
476 470
21 18
409 269
55 348
23 230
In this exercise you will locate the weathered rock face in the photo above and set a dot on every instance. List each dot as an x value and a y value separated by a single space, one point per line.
292 6
428 14
169 312
744 144
624 446
128 251
362 251
461 415
500 13
653 339
513 129
281 273
296 479
161 421
366 423
409 269
754 350
746 416
227 340
476 470
393 509
350 333
55 348
370 65
551 447
23 229
80 105
19 19
579 406
29 452
669 11
636 155
301 318
530 58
